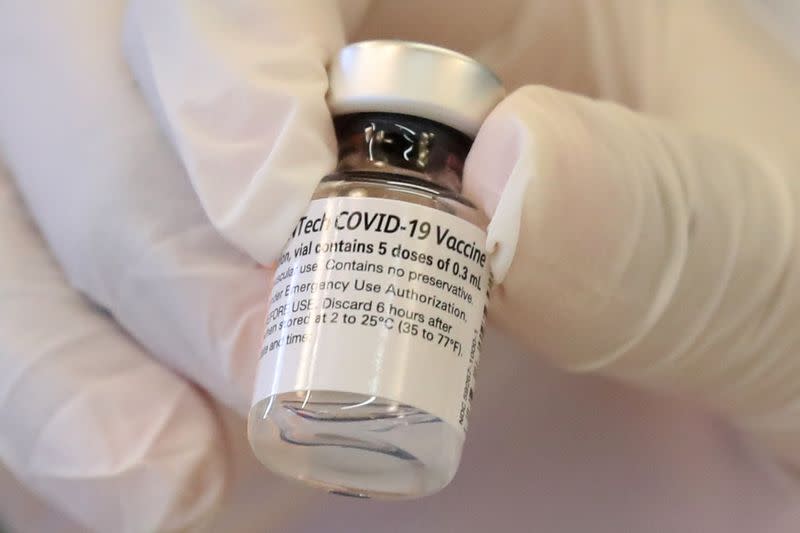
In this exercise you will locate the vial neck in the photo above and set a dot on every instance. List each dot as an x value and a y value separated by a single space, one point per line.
402 145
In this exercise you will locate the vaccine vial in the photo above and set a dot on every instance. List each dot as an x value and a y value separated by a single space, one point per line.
378 305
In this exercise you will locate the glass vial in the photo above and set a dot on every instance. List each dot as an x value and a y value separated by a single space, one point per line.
378 305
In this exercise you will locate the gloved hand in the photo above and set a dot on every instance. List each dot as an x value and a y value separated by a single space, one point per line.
658 249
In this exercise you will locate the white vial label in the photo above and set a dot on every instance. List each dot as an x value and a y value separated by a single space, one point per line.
378 297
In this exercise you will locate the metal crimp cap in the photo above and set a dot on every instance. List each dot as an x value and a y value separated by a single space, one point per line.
413 79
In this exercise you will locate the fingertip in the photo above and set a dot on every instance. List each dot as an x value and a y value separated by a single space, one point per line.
492 159
496 176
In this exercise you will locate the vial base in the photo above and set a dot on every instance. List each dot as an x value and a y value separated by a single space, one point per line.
355 445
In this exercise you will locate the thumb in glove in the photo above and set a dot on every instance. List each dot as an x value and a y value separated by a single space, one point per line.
656 255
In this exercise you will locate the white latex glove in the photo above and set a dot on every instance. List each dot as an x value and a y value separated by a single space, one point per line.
98 412
659 248
651 253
